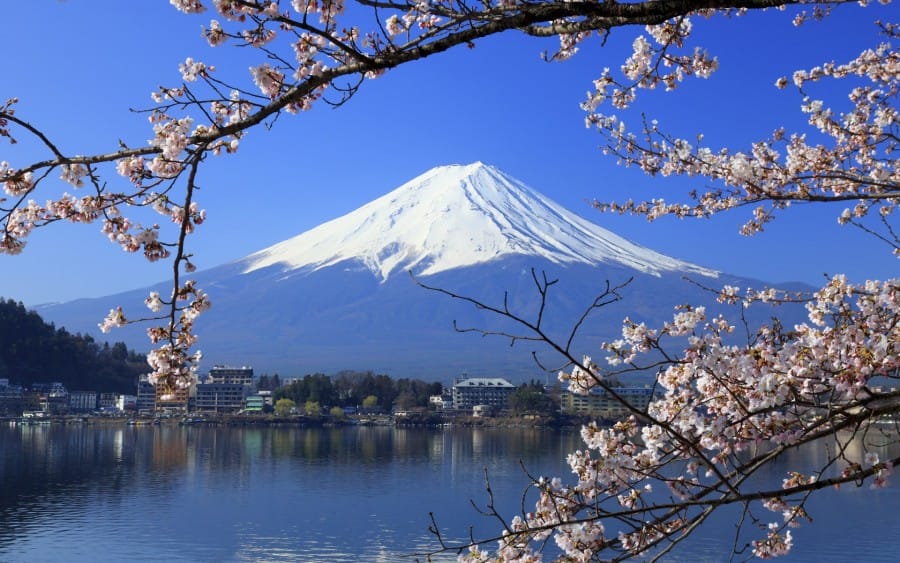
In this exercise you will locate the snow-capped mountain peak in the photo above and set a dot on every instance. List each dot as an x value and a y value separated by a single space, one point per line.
455 216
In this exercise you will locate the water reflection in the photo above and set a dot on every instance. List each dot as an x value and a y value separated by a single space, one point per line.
246 494
296 494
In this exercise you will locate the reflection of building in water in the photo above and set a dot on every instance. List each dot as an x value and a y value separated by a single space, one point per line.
491 391
170 451
601 404
118 445
478 443
437 446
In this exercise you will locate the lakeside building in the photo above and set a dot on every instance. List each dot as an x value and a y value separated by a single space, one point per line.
226 374
220 397
255 403
126 403
171 400
494 392
107 401
12 397
83 401
225 389
441 402
146 395
601 404
52 398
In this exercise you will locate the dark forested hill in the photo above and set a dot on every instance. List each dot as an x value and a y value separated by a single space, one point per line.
34 351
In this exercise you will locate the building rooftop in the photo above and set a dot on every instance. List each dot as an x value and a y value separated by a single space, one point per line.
484 382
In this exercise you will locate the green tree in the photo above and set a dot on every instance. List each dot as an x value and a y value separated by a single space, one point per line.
371 401
530 398
312 408
284 407
336 412
405 401
266 382
33 351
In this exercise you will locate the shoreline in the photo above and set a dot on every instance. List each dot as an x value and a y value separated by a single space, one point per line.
430 420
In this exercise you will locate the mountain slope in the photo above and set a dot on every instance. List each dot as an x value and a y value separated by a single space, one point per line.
339 296
457 216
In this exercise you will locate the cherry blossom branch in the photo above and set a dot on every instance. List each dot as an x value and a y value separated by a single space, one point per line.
711 418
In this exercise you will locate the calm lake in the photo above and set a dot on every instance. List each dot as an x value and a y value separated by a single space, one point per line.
171 493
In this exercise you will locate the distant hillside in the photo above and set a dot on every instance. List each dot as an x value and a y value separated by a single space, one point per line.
33 351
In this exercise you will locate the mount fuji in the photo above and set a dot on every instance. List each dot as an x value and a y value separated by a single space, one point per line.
340 296
455 217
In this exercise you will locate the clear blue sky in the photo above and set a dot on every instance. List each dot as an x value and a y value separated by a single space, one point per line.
79 65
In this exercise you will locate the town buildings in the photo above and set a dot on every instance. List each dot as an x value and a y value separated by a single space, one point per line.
12 397
601 404
224 389
107 401
493 392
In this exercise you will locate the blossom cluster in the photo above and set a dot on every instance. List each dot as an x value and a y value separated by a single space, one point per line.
721 401
857 165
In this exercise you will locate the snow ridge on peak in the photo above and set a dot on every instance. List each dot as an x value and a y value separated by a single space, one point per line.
455 216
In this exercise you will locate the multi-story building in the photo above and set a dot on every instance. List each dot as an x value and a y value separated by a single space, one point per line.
171 400
491 391
126 403
441 402
107 401
220 397
227 374
225 389
267 397
146 395
255 403
82 401
53 398
12 397
599 403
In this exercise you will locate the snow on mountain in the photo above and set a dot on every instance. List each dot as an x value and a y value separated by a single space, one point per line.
457 216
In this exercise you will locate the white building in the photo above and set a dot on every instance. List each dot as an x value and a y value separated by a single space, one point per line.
126 403
440 402
490 391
